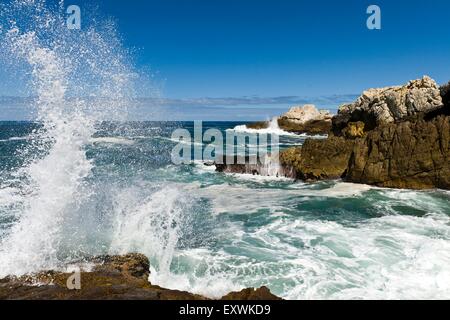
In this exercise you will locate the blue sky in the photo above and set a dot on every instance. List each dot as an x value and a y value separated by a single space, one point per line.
242 53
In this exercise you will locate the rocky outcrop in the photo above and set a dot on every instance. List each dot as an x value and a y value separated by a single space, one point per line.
395 137
252 294
306 119
376 107
411 154
318 159
306 113
301 120
111 278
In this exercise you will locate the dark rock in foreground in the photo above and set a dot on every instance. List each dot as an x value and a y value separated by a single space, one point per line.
112 278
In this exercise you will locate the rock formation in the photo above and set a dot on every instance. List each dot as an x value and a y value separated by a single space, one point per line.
112 278
306 113
391 104
318 159
306 119
396 137
411 154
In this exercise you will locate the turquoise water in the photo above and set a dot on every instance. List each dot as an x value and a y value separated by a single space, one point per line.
211 233
71 188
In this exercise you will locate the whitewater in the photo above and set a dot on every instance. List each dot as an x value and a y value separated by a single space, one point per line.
80 180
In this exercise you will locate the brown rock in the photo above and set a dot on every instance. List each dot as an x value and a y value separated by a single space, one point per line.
412 154
250 294
113 278
319 159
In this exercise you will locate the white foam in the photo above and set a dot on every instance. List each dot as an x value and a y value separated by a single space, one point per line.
54 186
112 140
274 128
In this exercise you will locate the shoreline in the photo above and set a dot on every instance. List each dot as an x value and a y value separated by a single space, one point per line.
121 277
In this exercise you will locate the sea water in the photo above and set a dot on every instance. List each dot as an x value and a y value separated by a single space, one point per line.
80 180
211 233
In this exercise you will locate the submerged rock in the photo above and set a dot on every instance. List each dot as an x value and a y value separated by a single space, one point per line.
111 278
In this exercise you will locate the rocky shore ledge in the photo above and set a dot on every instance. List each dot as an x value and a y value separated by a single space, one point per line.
111 278
395 137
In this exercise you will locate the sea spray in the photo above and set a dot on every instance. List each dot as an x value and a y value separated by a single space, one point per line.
64 67
152 225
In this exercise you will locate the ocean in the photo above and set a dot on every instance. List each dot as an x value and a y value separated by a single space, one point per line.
81 180
211 233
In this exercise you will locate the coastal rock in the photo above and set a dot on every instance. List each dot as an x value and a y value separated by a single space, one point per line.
411 154
306 119
396 137
306 113
301 120
252 294
318 159
111 278
391 104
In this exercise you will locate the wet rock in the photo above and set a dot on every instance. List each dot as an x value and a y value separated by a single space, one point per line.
412 154
319 159
266 166
111 278
250 294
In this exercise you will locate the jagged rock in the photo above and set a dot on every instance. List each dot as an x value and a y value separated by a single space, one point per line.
252 294
391 104
397 137
306 113
318 159
411 154
111 278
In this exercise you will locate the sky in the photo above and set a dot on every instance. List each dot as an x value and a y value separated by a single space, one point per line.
248 59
